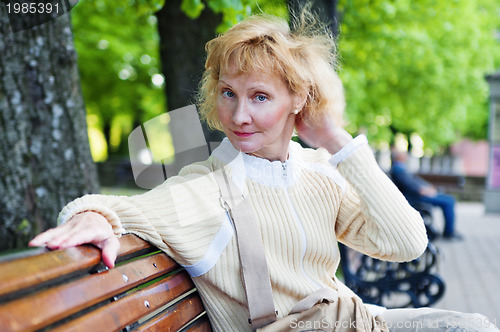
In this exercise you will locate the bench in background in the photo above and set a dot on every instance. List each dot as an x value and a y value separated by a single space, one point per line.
393 285
70 290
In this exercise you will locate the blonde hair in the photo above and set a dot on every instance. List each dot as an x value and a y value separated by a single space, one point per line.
305 58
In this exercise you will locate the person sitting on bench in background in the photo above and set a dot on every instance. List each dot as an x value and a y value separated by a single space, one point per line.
418 191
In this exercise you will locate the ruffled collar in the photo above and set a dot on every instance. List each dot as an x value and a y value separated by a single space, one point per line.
271 173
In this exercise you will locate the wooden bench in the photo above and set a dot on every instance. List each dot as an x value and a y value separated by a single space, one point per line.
393 285
453 182
70 290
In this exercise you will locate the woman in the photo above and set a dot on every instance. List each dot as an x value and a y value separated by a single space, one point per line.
261 82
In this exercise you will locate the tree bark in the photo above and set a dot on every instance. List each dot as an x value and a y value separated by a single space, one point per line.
182 52
45 158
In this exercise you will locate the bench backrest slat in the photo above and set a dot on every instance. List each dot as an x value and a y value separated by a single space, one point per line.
173 318
61 301
139 290
119 314
132 246
24 273
201 325
55 266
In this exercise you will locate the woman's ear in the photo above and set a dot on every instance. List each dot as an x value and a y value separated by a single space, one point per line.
299 101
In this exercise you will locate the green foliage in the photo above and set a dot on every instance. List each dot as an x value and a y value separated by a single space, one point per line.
233 11
118 56
192 8
418 66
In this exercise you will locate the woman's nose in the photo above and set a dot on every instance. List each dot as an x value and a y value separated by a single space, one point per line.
241 114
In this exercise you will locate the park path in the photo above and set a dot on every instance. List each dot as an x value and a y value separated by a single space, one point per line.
471 267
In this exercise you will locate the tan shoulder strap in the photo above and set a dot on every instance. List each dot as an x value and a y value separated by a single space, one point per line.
251 251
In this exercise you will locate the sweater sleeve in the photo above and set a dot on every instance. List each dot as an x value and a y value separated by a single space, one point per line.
374 217
178 216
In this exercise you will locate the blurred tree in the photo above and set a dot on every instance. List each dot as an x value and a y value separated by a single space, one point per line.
182 49
117 45
418 67
44 154
326 9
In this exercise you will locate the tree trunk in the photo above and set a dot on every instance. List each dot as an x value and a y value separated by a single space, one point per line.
45 158
327 11
182 52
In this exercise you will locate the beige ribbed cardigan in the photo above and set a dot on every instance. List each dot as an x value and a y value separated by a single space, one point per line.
303 206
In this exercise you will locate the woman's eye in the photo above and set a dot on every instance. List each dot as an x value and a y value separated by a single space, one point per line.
228 94
261 98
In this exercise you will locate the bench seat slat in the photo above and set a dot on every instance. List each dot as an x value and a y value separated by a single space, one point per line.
175 316
127 310
58 302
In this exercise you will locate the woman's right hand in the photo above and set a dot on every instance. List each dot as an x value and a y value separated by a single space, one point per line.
325 133
86 227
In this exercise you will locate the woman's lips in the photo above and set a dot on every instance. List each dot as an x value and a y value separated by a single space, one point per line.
243 134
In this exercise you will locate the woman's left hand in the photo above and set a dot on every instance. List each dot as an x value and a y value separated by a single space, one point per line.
85 227
325 134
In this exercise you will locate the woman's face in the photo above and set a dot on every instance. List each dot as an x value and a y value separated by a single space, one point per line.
256 111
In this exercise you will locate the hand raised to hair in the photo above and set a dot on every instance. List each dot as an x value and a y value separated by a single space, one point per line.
325 133
86 227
